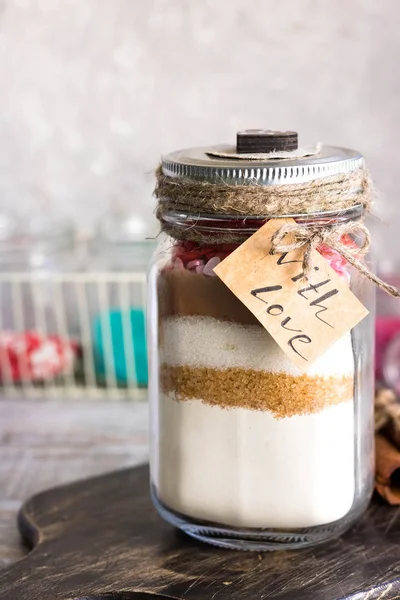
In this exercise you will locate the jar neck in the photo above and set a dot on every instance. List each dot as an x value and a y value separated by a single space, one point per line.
244 226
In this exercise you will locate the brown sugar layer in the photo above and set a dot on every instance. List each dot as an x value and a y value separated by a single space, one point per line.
187 294
282 394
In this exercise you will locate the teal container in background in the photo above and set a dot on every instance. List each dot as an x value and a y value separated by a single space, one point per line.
109 329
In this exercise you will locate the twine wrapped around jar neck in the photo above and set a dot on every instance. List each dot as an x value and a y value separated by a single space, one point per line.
334 193
338 193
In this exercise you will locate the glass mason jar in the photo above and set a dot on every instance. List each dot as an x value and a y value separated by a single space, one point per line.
247 451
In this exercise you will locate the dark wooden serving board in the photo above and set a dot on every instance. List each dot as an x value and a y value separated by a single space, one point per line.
102 539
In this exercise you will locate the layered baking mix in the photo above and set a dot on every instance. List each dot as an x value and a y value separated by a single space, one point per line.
247 439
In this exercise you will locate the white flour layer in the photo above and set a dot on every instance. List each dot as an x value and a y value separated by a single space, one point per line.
246 468
208 342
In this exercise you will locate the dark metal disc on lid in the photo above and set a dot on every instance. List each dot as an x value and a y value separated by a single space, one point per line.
251 141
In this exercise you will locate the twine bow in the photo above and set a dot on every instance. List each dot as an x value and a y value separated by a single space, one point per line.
312 237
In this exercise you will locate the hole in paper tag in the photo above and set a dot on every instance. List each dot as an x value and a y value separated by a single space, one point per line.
304 316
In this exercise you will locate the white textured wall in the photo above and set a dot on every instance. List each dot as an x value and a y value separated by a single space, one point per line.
93 91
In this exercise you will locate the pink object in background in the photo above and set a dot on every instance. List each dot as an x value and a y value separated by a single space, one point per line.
387 328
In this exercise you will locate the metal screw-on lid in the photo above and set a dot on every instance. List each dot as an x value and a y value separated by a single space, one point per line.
197 164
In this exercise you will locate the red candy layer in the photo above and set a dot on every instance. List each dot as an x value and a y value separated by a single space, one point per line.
191 256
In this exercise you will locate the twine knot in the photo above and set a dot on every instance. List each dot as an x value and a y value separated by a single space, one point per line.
295 236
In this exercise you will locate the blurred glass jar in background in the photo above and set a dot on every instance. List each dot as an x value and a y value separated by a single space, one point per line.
121 243
42 245
44 242
39 328
118 257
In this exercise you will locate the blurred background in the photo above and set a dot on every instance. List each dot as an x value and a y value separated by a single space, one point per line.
94 92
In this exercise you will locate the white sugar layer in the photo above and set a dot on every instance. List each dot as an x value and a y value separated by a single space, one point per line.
246 468
208 342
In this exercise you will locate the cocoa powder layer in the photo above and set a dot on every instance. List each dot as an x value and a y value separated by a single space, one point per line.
186 294
283 395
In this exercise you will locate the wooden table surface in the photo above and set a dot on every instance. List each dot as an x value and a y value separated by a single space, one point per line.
44 443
